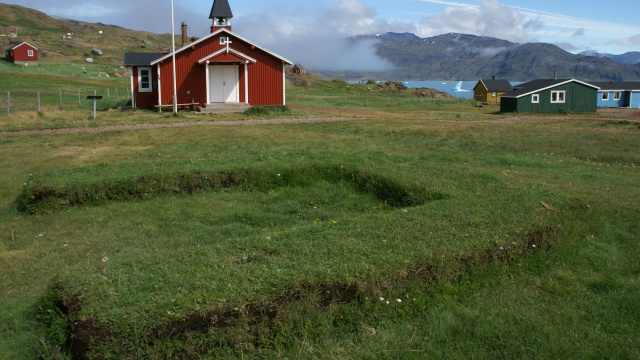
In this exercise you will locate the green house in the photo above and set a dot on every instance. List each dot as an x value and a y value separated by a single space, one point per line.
548 96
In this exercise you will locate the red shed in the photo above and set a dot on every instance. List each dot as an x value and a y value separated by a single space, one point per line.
221 67
298 69
22 54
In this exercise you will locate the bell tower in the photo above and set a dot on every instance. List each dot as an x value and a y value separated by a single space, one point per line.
221 15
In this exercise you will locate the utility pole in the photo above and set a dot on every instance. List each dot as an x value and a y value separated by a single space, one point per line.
173 54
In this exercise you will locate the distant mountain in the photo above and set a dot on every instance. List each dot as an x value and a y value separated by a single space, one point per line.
467 57
630 58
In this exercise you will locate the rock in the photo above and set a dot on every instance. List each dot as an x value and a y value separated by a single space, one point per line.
89 60
96 52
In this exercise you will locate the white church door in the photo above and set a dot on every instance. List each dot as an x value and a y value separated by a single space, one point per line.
223 84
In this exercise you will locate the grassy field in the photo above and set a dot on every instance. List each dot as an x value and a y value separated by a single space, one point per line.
413 230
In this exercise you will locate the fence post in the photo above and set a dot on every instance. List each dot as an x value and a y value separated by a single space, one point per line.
60 98
108 93
79 100
117 94
8 102
38 101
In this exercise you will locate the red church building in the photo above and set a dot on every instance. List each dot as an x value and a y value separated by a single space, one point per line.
219 68
22 54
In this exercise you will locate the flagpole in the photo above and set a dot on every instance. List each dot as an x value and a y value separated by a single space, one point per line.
173 54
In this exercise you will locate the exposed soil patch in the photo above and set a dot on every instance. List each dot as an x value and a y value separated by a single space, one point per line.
258 318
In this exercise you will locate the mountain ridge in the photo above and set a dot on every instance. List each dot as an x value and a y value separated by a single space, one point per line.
628 58
462 56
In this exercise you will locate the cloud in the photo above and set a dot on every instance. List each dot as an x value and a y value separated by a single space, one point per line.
567 46
319 40
488 19
579 32
630 41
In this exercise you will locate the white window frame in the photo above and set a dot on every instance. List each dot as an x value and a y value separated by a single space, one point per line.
30 53
605 96
558 95
617 95
494 94
223 40
535 99
149 87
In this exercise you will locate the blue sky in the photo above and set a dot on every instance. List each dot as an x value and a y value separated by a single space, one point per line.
300 28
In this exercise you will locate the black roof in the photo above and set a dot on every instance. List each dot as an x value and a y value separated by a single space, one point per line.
617 85
496 85
221 9
539 85
141 59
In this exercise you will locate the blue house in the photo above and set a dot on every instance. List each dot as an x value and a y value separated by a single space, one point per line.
618 94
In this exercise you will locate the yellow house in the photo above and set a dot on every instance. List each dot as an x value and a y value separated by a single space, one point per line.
490 90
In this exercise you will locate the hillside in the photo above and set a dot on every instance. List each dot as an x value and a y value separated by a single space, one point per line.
73 41
459 56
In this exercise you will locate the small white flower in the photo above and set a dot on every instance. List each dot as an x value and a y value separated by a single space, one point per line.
381 298
387 302
278 174
268 237
534 245
501 248
105 259
399 300
65 245
405 210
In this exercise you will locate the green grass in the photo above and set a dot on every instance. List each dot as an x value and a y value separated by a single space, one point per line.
294 266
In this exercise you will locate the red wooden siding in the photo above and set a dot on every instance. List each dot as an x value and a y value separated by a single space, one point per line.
145 99
265 76
21 54
265 73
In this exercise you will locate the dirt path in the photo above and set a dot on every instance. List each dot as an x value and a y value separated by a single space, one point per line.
607 115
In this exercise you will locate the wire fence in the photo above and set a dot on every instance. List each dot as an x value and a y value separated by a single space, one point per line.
31 100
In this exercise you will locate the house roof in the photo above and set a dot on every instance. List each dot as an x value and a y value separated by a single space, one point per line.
20 44
221 9
535 86
140 59
495 85
299 66
222 30
618 85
